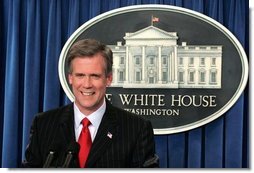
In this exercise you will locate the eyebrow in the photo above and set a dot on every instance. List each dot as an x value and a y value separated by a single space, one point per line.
83 74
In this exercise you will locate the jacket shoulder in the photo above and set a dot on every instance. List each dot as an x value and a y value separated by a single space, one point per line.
128 116
55 112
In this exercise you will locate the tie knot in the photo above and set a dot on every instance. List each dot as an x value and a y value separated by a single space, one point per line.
86 122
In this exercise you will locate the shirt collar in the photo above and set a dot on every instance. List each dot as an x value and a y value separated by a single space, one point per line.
94 118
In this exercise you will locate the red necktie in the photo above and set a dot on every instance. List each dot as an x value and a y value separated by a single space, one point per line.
85 143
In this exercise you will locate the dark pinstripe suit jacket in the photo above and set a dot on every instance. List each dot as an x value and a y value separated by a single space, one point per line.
131 145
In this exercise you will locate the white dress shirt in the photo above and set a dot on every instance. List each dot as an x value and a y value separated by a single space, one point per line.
94 118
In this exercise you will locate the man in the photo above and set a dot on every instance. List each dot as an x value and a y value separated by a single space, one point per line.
112 137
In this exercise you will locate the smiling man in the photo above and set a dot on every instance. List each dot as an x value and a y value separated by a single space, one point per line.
89 79
90 132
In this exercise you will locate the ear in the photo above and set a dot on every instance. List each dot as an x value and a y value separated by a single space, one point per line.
109 79
70 78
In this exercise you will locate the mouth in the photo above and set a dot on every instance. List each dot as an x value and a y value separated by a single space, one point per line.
86 93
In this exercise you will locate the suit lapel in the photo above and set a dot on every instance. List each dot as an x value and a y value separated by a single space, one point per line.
66 131
67 124
105 134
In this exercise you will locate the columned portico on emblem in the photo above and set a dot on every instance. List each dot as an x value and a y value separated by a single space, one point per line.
151 58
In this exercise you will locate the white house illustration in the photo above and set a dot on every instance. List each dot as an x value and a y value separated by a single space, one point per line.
151 58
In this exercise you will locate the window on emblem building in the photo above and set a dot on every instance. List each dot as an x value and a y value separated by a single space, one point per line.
151 60
180 61
137 60
164 60
151 80
121 76
191 61
202 61
191 76
213 77
164 76
181 76
121 60
202 77
138 76
213 61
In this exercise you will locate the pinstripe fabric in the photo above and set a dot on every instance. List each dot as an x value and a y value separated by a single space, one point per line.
131 142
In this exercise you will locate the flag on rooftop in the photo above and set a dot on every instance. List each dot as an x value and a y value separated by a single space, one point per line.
154 19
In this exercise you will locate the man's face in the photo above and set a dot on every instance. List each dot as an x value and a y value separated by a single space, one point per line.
89 82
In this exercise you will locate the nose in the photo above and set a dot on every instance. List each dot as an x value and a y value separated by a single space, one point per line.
87 83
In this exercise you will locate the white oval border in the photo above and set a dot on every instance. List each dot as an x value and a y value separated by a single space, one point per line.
224 30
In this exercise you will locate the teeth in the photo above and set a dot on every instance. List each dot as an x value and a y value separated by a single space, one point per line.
87 93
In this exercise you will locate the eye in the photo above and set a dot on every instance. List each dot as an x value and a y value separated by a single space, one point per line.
80 75
95 76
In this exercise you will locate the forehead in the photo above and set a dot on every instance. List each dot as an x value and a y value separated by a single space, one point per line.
95 62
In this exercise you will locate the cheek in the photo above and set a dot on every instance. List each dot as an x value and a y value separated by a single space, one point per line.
74 83
100 85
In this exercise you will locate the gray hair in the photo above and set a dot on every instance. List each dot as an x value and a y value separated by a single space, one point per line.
90 47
